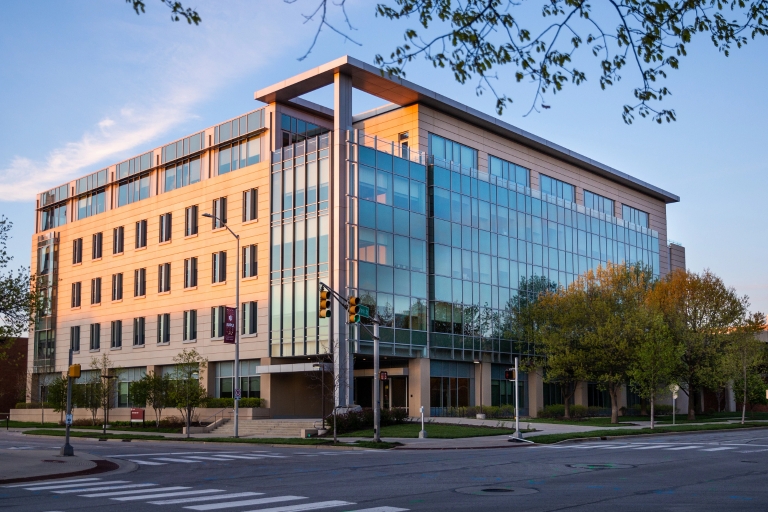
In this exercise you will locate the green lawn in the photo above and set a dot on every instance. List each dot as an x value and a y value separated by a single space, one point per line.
434 431
588 422
25 424
556 438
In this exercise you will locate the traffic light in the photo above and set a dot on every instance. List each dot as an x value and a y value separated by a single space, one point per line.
74 371
325 304
509 374
354 310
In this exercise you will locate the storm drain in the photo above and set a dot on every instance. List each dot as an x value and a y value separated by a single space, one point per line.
496 490
597 467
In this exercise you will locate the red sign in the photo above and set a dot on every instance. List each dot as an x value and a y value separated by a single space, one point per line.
383 376
230 324
137 414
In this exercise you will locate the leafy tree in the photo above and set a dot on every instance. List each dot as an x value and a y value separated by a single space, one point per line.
701 313
745 355
186 391
18 301
656 358
617 322
57 395
107 389
560 318
153 390
178 11
88 395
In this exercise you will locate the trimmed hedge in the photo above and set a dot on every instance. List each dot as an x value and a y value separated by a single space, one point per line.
361 420
33 405
215 403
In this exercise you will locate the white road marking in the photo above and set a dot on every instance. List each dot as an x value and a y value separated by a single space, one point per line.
70 481
206 498
166 495
305 506
652 447
169 459
719 449
683 448
48 487
105 488
245 503
382 509
207 457
123 493
147 463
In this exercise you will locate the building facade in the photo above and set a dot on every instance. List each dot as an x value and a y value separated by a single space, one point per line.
441 218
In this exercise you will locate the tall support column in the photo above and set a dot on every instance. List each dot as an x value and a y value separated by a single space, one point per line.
342 121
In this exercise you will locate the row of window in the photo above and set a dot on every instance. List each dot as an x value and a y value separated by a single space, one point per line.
248 326
218 275
250 212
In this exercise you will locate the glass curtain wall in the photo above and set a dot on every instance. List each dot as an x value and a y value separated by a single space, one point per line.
387 233
299 251
45 316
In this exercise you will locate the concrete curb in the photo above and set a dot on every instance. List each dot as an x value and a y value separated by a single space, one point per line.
599 438
444 448
102 466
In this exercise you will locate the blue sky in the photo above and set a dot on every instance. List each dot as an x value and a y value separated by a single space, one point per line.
88 83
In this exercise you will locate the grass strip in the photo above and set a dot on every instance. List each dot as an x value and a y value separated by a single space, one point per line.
434 431
556 438
297 441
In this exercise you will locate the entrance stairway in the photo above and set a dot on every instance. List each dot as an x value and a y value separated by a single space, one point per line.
265 428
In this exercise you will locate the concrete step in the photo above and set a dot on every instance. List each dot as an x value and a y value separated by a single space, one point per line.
266 428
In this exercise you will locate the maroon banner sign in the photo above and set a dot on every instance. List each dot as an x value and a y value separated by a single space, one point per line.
229 325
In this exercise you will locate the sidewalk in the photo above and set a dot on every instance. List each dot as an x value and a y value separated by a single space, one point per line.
45 464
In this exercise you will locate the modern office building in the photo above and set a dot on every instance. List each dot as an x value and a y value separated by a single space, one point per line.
438 216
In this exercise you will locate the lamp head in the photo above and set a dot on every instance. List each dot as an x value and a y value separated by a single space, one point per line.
208 215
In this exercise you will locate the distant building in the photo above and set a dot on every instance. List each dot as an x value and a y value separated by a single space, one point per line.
436 214
676 256
13 373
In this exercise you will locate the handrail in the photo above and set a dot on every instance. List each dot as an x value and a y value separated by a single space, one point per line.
215 415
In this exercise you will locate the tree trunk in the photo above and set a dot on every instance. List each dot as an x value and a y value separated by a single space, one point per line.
613 391
653 393
691 403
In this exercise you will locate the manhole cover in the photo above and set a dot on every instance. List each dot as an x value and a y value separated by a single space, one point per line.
506 490
601 466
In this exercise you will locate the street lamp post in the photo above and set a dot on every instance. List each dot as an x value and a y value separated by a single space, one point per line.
481 388
237 314
106 394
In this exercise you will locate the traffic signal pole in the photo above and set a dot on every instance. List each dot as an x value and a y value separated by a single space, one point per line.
67 450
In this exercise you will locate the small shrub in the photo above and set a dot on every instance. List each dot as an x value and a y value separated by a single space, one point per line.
360 420
33 405
661 409
221 403
552 411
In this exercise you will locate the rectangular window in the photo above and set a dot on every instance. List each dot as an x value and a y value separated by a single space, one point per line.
139 326
141 234
164 328
217 322
219 212
117 286
190 221
509 171
250 268
190 272
634 216
190 325
182 174
117 334
557 188
140 282
219 273
250 204
249 318
164 278
74 338
95 337
132 190
600 203
451 151
118 239
96 290
77 251
98 238
76 288
165 227
91 204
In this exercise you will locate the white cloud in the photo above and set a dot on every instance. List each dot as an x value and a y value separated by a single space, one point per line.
196 68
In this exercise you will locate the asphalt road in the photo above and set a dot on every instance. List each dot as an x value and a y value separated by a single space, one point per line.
718 471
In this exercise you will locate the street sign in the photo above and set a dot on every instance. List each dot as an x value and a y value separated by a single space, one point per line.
509 374
137 415
674 388
674 395
383 375
238 394
229 325
365 311
68 420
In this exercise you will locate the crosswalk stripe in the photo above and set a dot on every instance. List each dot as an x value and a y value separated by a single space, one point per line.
682 448
39 487
611 447
166 494
84 484
207 457
245 503
105 488
71 481
123 493
147 462
170 459
719 449
206 498
148 454
652 447
305 506
245 457
382 509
